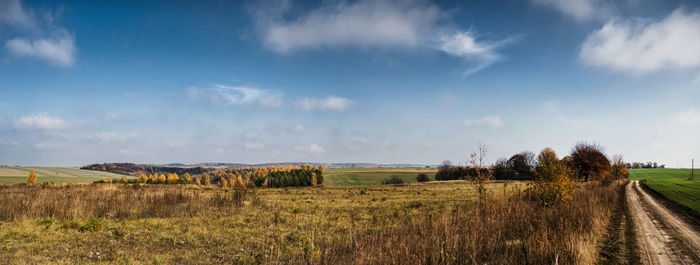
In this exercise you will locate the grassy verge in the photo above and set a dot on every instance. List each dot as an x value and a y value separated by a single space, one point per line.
673 184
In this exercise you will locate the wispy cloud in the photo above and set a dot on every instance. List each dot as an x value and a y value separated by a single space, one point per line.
254 146
328 103
42 39
577 123
493 121
310 149
580 10
113 136
41 121
365 24
636 47
59 51
13 14
691 117
465 45
236 95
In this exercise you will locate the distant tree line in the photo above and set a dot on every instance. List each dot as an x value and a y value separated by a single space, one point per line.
586 162
644 165
136 169
274 176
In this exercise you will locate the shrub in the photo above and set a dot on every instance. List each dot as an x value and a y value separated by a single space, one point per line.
31 179
553 183
422 177
393 180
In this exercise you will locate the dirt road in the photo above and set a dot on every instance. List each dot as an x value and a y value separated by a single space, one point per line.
663 236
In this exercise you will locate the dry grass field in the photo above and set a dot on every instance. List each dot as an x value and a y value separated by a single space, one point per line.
178 224
52 174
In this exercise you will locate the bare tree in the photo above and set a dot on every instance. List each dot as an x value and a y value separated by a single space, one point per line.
478 161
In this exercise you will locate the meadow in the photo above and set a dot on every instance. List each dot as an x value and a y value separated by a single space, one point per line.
372 176
419 223
11 175
673 184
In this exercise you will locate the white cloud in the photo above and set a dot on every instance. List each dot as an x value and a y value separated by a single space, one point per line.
328 103
407 24
365 23
254 146
637 47
488 121
465 45
59 51
41 121
691 117
42 38
577 9
311 149
236 95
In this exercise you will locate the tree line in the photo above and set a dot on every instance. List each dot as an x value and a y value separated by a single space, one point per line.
271 176
586 162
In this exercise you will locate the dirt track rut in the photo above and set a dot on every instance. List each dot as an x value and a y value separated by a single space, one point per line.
663 236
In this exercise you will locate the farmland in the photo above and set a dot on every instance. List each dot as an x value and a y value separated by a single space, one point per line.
53 174
333 176
372 176
674 184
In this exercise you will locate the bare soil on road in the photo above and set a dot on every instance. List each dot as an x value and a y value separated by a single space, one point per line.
663 236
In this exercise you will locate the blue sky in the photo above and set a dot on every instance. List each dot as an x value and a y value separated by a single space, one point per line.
407 81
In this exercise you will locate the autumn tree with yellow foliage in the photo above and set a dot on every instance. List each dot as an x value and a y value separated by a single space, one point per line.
31 179
553 183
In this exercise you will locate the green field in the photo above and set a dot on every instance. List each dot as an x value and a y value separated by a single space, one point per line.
672 183
12 175
371 176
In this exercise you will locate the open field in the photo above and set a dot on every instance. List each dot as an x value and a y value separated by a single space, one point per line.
371 176
278 222
421 223
53 174
673 184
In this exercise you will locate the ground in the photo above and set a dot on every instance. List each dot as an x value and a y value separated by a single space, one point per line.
663 236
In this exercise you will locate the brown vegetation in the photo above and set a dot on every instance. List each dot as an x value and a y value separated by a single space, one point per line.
509 230
117 201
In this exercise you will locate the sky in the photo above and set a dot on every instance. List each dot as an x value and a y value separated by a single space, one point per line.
407 81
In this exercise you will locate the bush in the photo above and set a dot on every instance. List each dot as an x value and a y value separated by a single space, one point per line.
422 177
393 180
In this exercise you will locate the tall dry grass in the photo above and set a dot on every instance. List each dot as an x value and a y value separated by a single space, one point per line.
513 230
113 200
